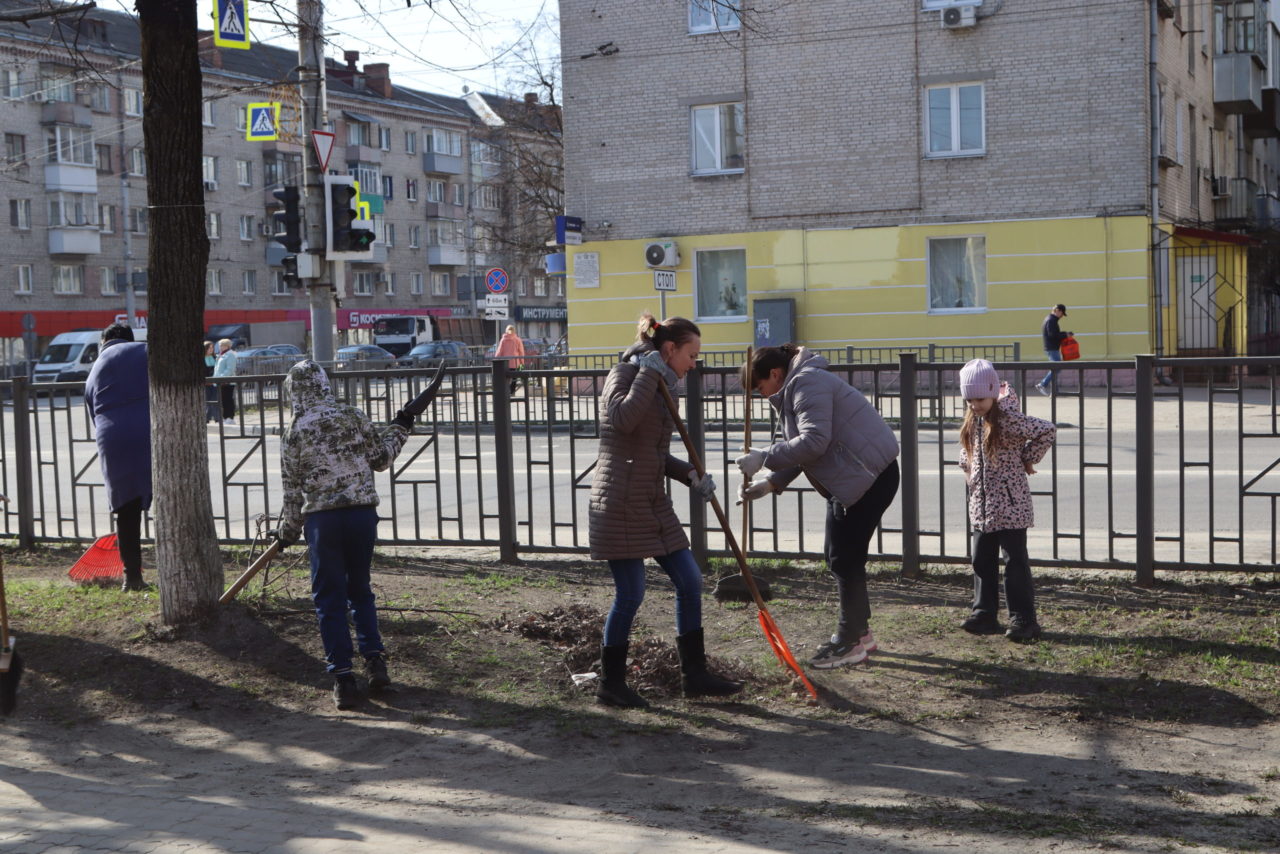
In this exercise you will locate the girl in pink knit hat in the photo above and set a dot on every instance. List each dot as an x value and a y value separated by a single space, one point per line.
999 447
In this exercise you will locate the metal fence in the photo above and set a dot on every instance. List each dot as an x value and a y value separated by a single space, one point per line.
1159 464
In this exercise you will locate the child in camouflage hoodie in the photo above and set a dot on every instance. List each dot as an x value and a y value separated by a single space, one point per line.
328 456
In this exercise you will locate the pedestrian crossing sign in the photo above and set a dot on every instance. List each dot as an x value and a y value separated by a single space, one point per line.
231 24
263 123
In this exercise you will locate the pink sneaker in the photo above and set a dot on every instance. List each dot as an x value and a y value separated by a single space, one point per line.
868 643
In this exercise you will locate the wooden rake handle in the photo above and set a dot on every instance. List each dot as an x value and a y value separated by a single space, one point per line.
256 567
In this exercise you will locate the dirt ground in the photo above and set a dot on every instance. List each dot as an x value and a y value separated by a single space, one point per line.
1145 720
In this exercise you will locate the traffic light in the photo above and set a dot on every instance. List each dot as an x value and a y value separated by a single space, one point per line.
291 278
347 236
289 221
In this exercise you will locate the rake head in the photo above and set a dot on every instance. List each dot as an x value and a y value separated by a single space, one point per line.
102 560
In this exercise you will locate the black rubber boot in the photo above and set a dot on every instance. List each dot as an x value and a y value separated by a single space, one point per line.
346 693
613 690
133 580
697 680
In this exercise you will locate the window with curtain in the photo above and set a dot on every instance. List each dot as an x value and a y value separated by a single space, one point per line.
957 273
720 282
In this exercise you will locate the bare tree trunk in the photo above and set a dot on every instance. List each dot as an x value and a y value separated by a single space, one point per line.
187 558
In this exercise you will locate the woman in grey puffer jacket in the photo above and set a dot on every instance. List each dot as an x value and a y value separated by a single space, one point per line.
835 437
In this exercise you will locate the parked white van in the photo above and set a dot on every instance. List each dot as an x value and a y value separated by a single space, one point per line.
70 355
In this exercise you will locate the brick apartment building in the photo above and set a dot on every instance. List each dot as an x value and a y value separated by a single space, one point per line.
433 169
912 172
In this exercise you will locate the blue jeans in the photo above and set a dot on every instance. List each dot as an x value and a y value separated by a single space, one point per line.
628 584
341 543
1051 377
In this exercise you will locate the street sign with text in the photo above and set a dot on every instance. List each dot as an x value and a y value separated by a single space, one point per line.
664 280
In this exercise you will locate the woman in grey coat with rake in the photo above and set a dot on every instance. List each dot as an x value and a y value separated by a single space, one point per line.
631 517
833 435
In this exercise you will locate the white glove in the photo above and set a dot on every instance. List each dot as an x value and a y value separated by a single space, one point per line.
758 488
751 462
704 486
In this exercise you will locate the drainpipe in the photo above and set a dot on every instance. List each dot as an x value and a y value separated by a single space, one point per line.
1154 96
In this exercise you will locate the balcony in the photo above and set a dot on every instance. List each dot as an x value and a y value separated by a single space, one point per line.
275 254
441 164
1265 124
1240 204
1237 82
66 113
443 210
75 240
70 178
446 256
363 154
1268 210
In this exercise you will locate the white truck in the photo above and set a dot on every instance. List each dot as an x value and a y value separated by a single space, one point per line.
398 334
70 355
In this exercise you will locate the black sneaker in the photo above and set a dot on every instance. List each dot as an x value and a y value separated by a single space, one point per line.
982 624
376 666
346 693
1022 630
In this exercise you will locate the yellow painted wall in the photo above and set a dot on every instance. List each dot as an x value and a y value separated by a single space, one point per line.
868 287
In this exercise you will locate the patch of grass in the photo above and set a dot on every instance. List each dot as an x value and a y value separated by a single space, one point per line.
57 608
498 582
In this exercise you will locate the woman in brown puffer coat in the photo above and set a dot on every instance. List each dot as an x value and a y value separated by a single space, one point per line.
631 517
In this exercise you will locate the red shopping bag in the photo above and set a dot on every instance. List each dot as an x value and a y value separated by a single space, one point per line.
1070 349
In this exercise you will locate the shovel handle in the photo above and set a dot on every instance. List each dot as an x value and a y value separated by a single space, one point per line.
256 567
4 611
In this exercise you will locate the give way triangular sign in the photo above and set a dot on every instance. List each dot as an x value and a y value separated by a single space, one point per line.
323 141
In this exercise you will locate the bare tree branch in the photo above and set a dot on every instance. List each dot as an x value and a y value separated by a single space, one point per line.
49 11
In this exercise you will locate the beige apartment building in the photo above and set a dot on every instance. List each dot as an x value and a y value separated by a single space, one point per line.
74 178
914 172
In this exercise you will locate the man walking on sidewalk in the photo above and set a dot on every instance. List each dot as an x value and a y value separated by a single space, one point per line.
1053 338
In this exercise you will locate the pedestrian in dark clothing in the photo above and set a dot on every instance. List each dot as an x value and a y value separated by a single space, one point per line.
212 410
835 437
1053 338
116 396
631 517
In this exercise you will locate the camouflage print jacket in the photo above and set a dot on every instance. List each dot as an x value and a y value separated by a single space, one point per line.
329 453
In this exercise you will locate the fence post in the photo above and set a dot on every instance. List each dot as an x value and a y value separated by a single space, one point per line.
697 435
1145 469
910 466
505 464
22 456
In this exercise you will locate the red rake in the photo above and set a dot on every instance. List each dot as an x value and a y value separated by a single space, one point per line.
102 560
771 631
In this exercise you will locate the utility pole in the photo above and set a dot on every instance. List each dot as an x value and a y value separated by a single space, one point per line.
315 116
130 307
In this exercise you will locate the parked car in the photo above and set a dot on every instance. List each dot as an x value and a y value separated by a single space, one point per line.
430 354
362 357
271 359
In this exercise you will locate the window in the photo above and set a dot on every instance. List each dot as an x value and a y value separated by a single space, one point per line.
954 120
440 286
415 284
957 273
242 118
20 213
58 85
102 158
138 220
559 280
718 144
209 168
70 145
522 286
539 286
415 236
435 191
68 279
384 138
72 209
133 102
363 286
483 152
246 227
487 197
388 186
1179 132
137 161
99 98
359 133
206 113
444 232
213 282
1235 27
720 282
389 281
106 218
389 233
441 141
15 148
369 175
23 283
213 225
281 169
459 195
10 84
107 281
411 142
411 189
708 16
244 173
250 282
278 287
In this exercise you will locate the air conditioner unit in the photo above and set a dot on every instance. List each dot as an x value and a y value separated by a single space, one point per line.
1221 187
956 17
39 97
662 254
211 185
268 228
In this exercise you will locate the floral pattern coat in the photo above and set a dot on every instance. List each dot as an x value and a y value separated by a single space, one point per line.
999 494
